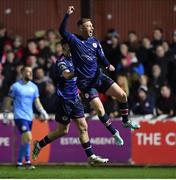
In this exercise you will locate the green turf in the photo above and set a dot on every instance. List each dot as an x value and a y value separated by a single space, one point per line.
81 172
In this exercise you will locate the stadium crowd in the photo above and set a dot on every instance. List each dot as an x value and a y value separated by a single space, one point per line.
145 69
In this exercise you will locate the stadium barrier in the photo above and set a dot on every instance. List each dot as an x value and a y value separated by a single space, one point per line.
154 143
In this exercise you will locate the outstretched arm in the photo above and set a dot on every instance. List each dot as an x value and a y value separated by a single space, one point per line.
62 29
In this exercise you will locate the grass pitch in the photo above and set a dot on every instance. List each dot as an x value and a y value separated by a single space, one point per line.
81 172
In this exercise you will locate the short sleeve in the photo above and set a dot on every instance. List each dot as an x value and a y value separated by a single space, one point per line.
61 66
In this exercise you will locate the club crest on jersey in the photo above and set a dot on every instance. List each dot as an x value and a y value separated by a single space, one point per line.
86 95
94 45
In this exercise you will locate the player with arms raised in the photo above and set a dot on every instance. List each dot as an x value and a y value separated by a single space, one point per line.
86 50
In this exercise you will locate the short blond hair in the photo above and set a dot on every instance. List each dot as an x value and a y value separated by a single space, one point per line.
82 21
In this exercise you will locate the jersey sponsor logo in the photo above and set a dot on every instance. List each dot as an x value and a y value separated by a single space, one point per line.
89 58
94 45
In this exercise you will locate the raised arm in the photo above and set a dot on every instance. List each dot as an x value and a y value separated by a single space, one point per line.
62 29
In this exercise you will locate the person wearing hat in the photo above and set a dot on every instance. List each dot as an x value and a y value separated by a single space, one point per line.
144 104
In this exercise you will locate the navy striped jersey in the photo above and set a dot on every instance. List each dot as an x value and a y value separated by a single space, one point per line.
66 88
85 52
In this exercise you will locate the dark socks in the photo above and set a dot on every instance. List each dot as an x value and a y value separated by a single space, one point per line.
44 142
107 122
124 111
87 148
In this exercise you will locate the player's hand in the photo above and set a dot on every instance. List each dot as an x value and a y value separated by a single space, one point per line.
44 115
110 68
70 10
5 118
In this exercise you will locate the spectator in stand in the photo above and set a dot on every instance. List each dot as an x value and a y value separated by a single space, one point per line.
162 61
58 49
3 38
18 47
7 48
8 72
32 61
58 53
141 81
125 60
173 44
137 66
156 80
168 53
44 50
18 75
52 38
143 104
172 75
166 102
133 42
49 100
42 62
111 48
40 80
157 38
31 49
145 54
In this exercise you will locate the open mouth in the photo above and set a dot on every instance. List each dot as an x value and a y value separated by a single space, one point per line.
90 33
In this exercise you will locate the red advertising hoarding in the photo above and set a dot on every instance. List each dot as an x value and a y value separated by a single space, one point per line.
155 143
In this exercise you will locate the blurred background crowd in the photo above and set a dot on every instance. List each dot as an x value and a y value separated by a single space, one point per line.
145 69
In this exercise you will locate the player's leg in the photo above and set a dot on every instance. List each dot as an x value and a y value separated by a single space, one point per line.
97 105
60 131
92 96
115 91
62 118
85 142
26 141
26 137
78 115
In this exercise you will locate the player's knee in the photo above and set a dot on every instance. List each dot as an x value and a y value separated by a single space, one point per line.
100 111
64 132
61 132
123 97
27 140
83 128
